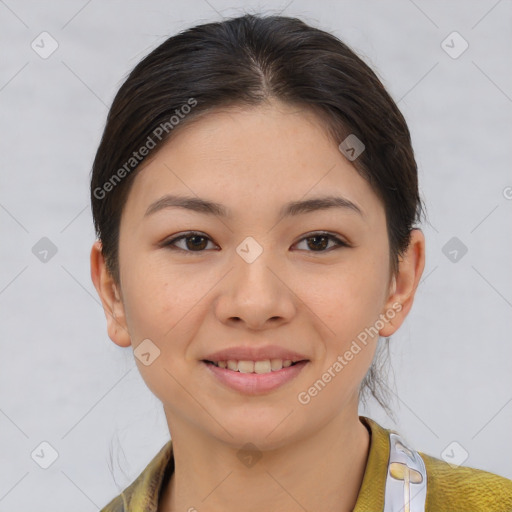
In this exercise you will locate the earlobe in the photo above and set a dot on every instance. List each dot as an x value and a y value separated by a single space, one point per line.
404 284
110 297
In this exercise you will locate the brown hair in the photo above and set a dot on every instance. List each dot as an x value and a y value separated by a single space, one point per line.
246 61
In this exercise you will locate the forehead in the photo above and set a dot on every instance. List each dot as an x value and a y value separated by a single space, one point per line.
250 158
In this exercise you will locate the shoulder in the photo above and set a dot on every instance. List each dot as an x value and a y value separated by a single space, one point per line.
143 494
465 489
448 488
116 505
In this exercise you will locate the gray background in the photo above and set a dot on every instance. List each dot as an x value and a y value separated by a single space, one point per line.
64 382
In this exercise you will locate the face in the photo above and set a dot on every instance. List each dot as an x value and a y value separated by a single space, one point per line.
262 280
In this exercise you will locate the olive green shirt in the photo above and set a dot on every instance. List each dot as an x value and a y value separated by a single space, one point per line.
449 489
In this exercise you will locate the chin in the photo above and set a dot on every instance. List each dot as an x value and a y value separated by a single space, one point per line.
266 432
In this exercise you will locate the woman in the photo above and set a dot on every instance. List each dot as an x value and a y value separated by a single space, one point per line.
256 202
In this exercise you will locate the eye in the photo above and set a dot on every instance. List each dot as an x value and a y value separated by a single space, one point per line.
193 242
320 241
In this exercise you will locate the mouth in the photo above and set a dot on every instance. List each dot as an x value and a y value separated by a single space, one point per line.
258 367
255 377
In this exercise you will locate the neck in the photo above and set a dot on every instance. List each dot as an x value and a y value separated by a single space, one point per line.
324 468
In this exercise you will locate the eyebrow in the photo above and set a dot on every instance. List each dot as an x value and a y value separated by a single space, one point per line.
292 208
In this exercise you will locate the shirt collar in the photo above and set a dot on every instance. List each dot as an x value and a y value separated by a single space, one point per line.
144 493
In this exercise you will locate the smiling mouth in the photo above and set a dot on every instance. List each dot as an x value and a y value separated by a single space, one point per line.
258 367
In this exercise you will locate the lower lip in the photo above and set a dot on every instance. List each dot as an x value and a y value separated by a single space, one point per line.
256 383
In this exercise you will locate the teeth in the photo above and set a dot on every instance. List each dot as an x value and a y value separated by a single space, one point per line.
265 366
276 364
246 366
262 366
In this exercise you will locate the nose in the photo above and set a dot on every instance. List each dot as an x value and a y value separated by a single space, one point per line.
255 294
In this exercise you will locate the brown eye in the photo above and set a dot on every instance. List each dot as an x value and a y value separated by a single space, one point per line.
196 242
193 242
190 242
319 242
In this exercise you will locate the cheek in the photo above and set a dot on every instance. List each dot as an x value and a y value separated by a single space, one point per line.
160 298
159 304
347 297
349 302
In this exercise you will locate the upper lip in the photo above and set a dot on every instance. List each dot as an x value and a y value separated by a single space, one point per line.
241 353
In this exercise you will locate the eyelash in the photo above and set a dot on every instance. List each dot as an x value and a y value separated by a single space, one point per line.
170 243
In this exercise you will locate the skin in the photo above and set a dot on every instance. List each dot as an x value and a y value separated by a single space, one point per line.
312 300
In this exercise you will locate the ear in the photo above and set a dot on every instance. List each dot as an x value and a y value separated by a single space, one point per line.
404 284
110 296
